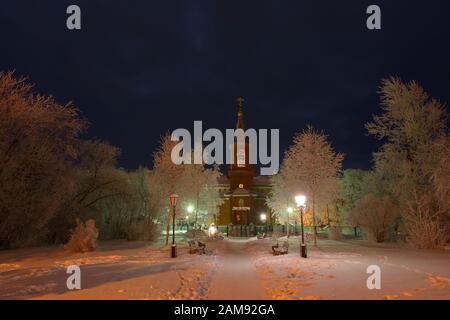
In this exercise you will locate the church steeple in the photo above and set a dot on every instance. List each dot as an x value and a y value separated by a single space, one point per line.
240 120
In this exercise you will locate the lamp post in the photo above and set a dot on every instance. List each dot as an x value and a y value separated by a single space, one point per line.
190 209
301 200
173 203
263 217
212 230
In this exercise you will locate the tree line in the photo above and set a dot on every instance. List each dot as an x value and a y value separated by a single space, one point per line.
52 180
406 194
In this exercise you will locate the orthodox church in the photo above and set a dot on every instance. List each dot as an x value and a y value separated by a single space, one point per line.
244 192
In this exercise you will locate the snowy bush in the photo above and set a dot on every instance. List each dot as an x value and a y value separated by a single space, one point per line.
335 233
199 234
143 231
84 237
423 223
375 214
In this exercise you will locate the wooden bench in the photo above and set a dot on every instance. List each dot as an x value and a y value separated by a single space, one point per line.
196 247
279 250
260 235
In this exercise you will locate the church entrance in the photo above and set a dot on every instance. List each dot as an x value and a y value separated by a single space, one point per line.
241 217
241 207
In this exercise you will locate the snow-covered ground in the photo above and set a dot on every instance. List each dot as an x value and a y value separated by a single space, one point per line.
234 269
337 270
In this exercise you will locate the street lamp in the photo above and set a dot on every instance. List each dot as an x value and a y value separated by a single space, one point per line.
173 203
263 218
189 209
301 200
212 230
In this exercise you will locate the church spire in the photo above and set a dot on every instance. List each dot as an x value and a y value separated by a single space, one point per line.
240 120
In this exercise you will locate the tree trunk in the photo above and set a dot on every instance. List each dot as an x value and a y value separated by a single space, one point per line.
328 217
196 215
169 216
287 223
314 219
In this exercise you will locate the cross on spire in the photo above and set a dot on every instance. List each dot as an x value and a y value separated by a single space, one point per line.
240 122
240 102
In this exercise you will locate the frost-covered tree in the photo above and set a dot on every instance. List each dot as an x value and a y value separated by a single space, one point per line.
98 184
164 180
351 188
100 178
315 167
414 158
199 185
194 183
210 198
375 214
39 140
281 197
128 214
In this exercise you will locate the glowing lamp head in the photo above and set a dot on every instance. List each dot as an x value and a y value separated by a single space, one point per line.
173 199
300 200
190 208
263 217
212 230
290 210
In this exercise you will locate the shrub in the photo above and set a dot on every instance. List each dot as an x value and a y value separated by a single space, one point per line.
84 237
143 231
199 234
376 214
335 233
424 224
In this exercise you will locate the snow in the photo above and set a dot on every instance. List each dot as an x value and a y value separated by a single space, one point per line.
234 269
236 277
337 270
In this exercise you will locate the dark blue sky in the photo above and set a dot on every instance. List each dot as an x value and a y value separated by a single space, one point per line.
140 68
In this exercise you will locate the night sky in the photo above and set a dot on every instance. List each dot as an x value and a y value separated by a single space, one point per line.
138 69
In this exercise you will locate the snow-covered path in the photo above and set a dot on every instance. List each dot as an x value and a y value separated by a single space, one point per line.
234 269
236 275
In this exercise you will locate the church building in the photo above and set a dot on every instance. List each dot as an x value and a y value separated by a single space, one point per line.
244 192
